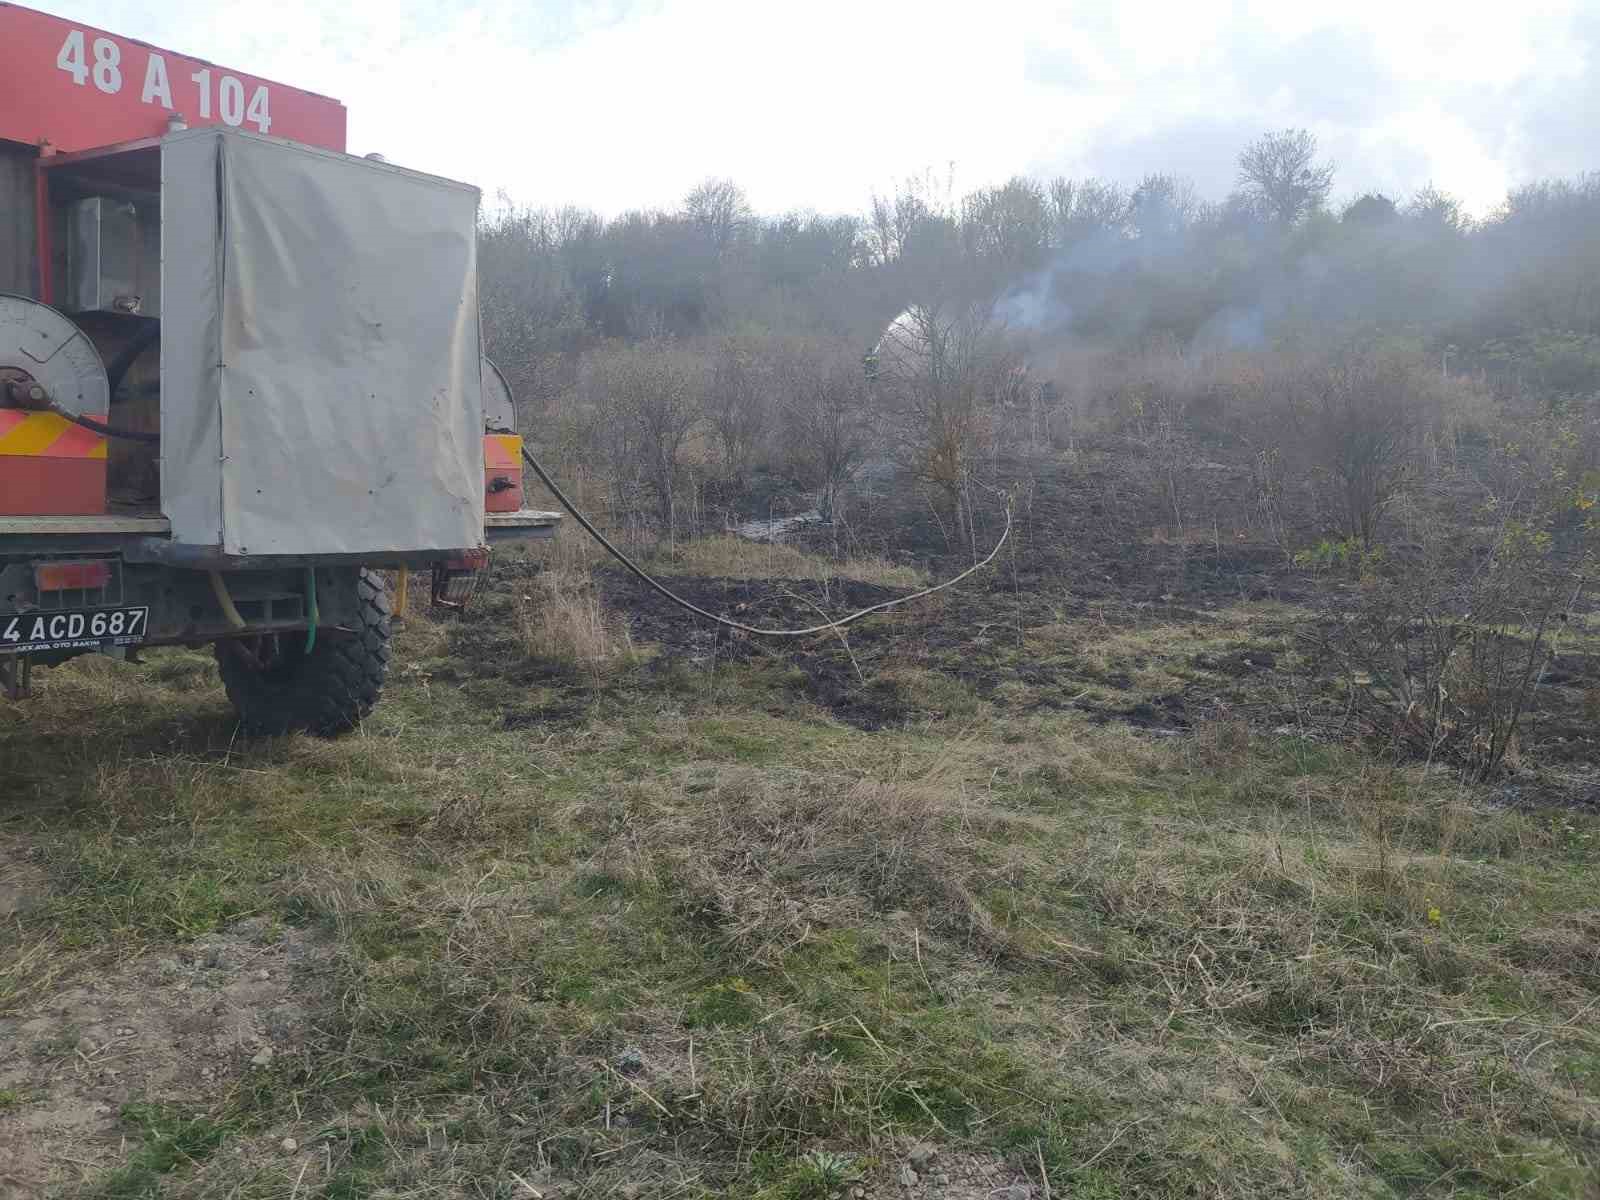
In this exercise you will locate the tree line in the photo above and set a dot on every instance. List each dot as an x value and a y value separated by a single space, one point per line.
667 357
1087 260
1399 391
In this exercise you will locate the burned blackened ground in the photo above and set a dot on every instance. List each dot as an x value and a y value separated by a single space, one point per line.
1089 607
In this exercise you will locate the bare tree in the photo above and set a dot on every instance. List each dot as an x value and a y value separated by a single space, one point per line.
530 312
1437 209
1163 206
737 403
889 225
1009 225
937 365
719 210
920 205
826 417
1088 208
651 393
1279 172
1371 209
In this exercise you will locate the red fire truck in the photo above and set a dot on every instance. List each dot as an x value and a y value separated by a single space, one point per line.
240 375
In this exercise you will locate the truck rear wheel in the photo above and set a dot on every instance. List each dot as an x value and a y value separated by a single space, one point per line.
278 688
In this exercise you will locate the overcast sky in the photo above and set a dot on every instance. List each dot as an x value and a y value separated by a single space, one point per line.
618 104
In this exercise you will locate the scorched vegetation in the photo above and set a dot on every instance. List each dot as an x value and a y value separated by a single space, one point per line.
1234 835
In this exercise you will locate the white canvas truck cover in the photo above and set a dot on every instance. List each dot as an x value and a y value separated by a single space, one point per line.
320 388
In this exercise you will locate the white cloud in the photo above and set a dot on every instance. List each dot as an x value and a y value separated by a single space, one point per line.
618 105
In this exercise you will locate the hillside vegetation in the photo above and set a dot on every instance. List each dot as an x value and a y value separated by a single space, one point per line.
1234 834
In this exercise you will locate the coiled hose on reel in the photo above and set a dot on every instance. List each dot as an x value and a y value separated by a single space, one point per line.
116 370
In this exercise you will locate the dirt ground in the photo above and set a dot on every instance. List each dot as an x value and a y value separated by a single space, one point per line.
21 882
161 1028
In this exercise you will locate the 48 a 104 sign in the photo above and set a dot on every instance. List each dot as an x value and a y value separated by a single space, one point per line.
225 95
80 88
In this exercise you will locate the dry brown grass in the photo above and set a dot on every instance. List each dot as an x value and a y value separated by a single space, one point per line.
420 633
561 620
771 859
1220 744
732 557
1232 963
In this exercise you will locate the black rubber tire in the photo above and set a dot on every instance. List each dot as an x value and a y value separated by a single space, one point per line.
328 692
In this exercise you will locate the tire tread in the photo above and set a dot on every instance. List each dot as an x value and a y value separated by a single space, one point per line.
334 689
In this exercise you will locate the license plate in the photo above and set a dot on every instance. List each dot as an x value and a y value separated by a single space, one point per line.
72 629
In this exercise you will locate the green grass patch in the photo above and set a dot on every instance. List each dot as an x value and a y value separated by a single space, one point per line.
171 1141
698 933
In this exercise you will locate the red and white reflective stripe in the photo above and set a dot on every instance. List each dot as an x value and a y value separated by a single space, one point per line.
46 435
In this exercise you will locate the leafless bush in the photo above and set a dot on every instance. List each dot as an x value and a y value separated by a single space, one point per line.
940 369
1075 374
826 417
1358 411
1163 429
1268 479
738 400
1026 402
647 399
1151 397
1441 661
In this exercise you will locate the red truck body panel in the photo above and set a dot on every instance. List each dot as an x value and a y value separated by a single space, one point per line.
79 88
49 466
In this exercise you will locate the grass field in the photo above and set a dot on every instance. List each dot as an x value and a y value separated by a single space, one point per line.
648 924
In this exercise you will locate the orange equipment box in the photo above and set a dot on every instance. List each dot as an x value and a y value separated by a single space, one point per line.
502 472
49 466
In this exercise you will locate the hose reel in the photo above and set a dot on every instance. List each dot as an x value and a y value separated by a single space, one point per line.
48 364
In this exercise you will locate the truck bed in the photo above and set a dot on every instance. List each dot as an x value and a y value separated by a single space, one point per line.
137 524
520 525
145 524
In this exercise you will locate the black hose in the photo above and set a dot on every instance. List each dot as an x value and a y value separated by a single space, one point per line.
661 589
128 355
104 430
116 369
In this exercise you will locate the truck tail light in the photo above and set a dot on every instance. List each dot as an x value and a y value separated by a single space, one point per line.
72 576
